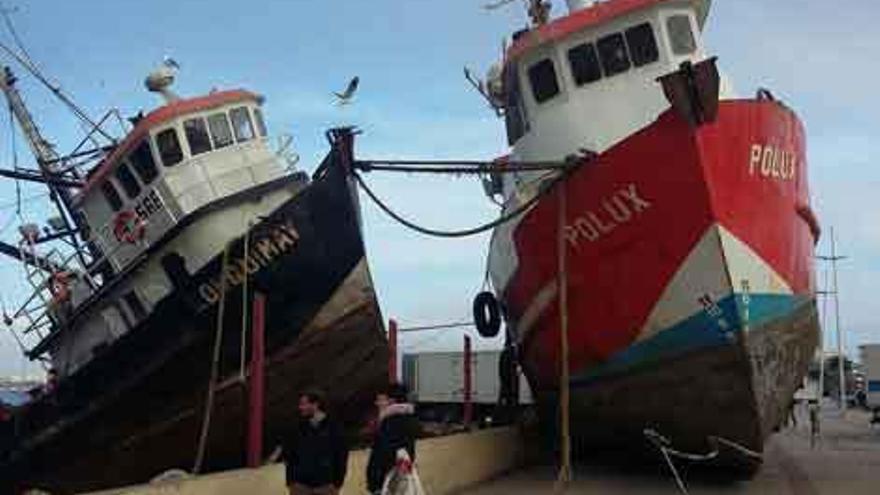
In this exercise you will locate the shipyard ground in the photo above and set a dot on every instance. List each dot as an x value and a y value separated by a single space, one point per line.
845 461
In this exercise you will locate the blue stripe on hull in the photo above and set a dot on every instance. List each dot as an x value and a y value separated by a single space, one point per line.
716 326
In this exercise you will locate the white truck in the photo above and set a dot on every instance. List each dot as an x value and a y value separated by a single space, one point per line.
436 382
871 364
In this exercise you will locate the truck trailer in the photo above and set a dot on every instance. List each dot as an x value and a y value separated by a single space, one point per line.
437 383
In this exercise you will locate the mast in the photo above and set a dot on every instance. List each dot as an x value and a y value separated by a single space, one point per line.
46 156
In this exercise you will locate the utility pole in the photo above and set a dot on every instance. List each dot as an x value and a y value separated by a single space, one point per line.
834 258
824 293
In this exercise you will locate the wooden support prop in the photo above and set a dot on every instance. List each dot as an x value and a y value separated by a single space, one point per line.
564 399
392 351
257 383
468 412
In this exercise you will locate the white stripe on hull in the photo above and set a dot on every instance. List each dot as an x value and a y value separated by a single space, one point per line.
719 265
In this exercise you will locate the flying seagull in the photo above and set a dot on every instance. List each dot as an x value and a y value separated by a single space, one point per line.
346 96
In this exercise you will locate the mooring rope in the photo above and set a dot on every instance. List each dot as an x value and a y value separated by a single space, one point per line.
242 368
665 446
744 450
457 233
459 167
215 366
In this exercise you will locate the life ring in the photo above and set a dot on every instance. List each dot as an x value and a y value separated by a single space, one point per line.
59 286
128 227
487 315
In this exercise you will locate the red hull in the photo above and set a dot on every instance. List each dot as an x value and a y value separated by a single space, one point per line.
697 232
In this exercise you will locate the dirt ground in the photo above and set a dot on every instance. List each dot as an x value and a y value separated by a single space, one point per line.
846 461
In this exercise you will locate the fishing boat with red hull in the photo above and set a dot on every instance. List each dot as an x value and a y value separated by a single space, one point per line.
685 246
185 225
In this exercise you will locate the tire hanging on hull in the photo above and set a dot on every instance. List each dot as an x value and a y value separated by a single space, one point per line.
487 315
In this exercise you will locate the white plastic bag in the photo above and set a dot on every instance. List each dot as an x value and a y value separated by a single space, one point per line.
403 479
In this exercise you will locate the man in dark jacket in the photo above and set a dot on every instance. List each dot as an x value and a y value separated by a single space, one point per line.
398 429
316 455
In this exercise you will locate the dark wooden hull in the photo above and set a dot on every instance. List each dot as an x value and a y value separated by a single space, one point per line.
136 409
736 392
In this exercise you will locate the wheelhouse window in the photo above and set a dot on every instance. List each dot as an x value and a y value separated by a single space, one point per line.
169 147
642 44
197 136
542 77
261 125
111 195
127 181
514 111
241 124
221 133
141 160
584 64
681 37
612 51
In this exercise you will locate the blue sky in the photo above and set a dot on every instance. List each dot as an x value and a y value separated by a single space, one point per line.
413 102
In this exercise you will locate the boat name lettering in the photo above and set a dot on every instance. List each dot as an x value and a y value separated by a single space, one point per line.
619 208
772 161
261 252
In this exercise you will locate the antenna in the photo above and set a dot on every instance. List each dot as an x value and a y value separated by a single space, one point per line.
486 91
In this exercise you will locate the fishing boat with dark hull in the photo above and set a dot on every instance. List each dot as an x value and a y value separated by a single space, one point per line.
193 236
681 236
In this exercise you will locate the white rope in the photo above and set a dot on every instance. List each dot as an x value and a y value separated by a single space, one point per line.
663 442
738 447
244 308
215 365
665 446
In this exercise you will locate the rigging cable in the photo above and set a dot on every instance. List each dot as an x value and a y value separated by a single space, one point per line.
424 341
458 233
55 89
6 225
14 150
18 42
21 201
441 326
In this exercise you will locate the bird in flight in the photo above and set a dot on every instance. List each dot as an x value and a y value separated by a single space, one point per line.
346 96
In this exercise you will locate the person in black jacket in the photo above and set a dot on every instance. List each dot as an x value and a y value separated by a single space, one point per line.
398 429
316 455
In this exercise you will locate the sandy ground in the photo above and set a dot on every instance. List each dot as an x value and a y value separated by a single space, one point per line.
846 461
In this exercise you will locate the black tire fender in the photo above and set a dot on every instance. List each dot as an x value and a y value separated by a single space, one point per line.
487 314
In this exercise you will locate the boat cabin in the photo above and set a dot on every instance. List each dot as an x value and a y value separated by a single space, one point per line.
589 79
177 159
170 187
